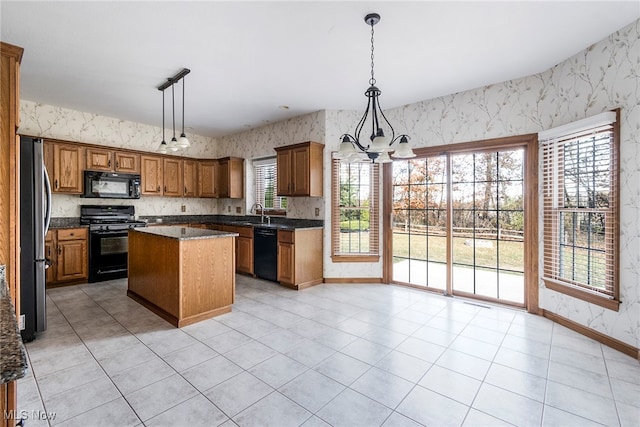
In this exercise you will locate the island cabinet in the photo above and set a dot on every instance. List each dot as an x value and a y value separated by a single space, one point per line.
207 178
190 178
172 177
184 275
67 165
231 178
151 175
112 161
300 169
300 257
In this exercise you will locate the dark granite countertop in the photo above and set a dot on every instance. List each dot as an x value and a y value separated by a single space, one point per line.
236 220
57 223
184 233
13 359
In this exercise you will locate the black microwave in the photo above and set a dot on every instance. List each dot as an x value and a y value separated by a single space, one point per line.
111 185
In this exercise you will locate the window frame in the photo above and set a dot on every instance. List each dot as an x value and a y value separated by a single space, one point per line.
259 184
374 216
552 152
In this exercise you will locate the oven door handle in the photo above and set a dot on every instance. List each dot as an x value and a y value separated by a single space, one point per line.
110 233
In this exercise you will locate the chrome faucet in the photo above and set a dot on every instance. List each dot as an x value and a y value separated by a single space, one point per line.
254 209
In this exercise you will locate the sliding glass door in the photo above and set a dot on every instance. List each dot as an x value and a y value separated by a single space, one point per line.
458 223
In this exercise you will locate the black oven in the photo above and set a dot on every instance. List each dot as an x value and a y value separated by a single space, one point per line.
107 255
108 239
111 185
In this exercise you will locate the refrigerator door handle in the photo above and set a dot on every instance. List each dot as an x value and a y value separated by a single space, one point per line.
47 216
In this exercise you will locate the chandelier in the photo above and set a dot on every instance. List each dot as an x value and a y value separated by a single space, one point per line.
379 146
181 143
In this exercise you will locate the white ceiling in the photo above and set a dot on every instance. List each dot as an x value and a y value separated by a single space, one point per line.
249 58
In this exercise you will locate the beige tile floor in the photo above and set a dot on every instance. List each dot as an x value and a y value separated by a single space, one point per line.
339 355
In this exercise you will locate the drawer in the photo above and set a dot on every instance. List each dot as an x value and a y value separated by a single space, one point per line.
286 236
229 228
245 232
73 233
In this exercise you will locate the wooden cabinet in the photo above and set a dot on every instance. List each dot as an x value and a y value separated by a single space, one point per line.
300 257
67 252
230 178
127 162
151 175
244 250
190 178
172 177
9 197
68 162
300 171
51 256
101 159
207 178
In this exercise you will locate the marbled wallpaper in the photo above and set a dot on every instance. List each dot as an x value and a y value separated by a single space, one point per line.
602 77
60 123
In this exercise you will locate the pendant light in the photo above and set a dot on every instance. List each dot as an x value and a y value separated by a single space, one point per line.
162 149
379 145
173 144
183 142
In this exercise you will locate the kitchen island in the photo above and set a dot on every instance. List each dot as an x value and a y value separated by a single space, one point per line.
182 274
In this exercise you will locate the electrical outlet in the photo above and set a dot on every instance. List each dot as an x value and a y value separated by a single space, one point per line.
238 209
183 208
228 208
21 325
317 211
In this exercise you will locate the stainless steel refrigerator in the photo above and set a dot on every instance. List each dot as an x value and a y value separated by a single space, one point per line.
35 215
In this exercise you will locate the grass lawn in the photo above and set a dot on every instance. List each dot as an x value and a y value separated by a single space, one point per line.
509 253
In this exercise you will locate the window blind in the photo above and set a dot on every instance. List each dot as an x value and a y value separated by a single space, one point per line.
266 184
355 209
580 169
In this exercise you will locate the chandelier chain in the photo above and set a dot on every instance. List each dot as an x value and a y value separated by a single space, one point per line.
372 81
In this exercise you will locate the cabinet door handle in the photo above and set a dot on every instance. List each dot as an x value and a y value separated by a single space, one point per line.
59 249
185 190
56 184
117 164
109 163
158 189
165 188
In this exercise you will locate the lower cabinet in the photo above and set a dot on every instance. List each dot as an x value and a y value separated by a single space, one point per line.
67 252
244 250
300 257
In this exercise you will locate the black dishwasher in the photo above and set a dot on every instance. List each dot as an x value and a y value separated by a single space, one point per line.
265 253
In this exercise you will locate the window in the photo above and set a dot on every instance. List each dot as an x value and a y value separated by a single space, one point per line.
354 216
580 165
266 183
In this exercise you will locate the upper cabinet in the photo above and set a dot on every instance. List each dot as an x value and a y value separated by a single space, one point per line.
160 175
190 178
127 162
300 169
112 161
207 178
172 171
68 162
151 175
230 178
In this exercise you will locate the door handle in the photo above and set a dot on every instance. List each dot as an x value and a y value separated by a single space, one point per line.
185 190
158 189
165 188
117 165
56 184
109 163
59 249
